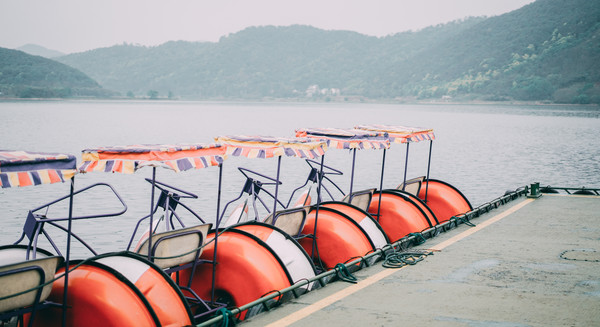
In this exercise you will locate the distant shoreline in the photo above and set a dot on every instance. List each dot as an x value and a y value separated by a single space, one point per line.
301 101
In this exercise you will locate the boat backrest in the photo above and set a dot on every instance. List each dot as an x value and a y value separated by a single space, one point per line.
360 199
290 221
176 247
413 186
27 275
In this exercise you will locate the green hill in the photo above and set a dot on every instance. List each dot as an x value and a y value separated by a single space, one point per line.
539 52
37 50
26 76
548 50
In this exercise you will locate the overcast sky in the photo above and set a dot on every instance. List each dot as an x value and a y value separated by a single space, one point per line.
79 25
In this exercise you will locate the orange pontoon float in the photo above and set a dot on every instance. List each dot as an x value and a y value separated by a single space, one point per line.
24 168
352 139
365 220
119 289
36 282
260 249
294 257
322 241
443 199
446 201
165 249
339 238
255 258
398 214
247 269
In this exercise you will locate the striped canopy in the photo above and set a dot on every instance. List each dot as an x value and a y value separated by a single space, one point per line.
401 134
22 168
346 138
128 159
268 147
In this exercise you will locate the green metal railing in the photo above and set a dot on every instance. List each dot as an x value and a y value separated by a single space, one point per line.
570 190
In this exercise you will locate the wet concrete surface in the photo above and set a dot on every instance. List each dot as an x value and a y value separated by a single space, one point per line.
526 269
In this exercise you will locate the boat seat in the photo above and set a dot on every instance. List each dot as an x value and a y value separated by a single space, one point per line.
360 199
176 250
176 247
17 277
412 186
291 221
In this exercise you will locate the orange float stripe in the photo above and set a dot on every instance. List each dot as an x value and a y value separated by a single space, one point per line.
118 166
24 179
91 166
270 153
54 178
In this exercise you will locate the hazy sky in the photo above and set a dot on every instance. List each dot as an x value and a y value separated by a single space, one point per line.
80 25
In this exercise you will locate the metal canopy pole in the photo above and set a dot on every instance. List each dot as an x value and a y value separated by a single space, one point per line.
217 219
67 259
428 166
352 172
276 185
150 231
217 222
381 185
405 166
320 179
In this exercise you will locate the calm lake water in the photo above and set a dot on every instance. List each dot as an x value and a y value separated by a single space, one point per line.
483 150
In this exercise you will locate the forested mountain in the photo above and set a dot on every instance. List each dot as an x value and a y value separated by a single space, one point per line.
548 50
37 50
26 76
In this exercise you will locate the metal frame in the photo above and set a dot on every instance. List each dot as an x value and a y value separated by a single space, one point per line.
34 224
428 168
38 228
162 187
169 201
568 190
313 177
253 187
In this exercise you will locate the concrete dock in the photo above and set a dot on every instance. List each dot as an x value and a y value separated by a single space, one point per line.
532 262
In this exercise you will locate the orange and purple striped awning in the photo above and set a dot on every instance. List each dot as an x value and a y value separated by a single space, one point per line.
128 159
252 146
346 138
401 134
23 168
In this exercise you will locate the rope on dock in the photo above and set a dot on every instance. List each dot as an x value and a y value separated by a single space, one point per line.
405 258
